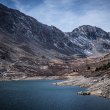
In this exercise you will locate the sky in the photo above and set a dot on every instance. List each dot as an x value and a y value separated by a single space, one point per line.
65 14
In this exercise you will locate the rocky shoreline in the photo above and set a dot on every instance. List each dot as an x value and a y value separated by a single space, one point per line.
99 86
35 78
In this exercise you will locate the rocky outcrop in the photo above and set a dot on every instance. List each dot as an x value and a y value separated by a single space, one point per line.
92 39
84 93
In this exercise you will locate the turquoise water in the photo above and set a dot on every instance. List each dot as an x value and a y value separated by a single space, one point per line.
43 95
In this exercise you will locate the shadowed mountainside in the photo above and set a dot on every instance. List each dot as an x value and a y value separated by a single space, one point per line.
30 48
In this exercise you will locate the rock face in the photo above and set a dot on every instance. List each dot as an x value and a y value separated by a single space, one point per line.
92 40
83 41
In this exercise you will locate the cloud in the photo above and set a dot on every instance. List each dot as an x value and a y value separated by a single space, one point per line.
69 14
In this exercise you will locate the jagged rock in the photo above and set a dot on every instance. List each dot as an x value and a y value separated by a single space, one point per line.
84 93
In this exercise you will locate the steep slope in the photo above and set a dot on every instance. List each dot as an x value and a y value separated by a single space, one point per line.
27 46
83 41
92 40
25 29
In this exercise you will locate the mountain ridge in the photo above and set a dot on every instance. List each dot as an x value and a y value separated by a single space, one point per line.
25 29
29 48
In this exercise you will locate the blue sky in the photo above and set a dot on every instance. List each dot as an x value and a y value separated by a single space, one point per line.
66 14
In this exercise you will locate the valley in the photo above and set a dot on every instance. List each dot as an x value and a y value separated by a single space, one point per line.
32 50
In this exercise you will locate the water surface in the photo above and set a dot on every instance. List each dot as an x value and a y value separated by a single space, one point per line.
43 95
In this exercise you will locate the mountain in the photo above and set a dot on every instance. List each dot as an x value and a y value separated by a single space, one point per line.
92 40
23 29
26 44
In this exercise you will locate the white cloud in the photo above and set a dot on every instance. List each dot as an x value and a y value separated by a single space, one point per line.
59 14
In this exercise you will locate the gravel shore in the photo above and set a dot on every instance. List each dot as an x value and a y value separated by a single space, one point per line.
99 86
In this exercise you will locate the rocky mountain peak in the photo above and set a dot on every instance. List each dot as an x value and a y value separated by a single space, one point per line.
91 32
